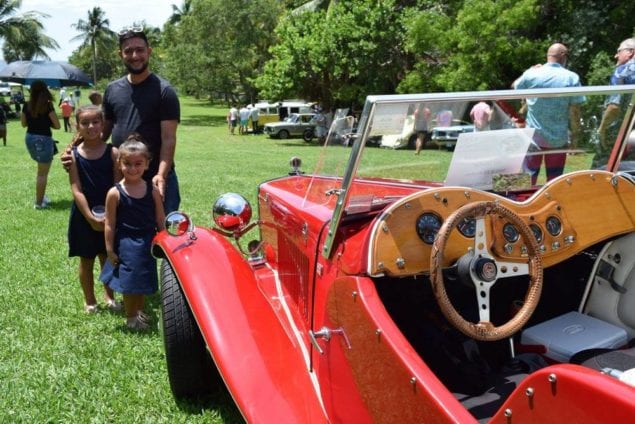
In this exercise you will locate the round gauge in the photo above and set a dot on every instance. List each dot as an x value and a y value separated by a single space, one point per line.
537 232
428 226
510 233
554 226
467 227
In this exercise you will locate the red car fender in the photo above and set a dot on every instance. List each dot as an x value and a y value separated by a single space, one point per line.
568 394
262 368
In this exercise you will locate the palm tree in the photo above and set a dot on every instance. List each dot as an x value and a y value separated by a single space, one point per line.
95 32
23 34
179 13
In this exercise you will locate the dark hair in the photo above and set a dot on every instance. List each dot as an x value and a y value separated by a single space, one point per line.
40 100
134 144
129 33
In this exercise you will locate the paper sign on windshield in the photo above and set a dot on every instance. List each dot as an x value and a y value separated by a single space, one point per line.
389 119
477 156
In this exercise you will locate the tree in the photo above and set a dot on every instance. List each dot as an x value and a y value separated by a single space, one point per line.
22 33
96 34
220 47
337 55
179 13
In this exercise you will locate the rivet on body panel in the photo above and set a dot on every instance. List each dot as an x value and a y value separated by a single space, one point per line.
413 382
553 379
407 206
354 294
508 412
466 194
378 334
384 228
547 195
436 196
401 263
569 181
530 396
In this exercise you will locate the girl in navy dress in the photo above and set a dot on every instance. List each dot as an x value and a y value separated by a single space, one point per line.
92 174
134 212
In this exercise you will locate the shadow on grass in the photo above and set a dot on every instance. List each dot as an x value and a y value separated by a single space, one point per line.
221 402
204 121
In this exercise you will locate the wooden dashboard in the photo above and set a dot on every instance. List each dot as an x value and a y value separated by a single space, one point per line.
570 213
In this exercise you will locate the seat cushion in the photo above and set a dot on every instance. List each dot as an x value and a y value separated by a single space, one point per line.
598 359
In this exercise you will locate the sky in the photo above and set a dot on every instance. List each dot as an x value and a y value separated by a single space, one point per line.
120 13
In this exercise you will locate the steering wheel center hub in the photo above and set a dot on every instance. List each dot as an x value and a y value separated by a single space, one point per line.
485 269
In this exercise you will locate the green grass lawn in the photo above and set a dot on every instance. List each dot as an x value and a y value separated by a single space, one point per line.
58 364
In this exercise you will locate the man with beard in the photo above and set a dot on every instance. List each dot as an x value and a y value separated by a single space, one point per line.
144 103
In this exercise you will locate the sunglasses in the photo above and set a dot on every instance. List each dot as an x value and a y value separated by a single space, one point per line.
133 30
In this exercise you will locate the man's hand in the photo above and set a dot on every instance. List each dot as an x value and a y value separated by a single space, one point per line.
67 157
159 183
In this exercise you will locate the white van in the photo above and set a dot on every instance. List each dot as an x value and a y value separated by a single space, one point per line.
271 112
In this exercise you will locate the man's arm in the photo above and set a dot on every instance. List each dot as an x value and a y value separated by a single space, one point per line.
166 156
107 129
611 114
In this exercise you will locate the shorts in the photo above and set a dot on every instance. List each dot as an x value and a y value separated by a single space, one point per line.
40 147
243 122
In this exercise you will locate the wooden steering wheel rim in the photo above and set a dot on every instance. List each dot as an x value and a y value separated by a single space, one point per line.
486 331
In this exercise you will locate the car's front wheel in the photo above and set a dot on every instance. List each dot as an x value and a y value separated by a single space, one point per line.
283 134
191 370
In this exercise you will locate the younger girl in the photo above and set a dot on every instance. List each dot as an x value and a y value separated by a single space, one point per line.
92 174
134 212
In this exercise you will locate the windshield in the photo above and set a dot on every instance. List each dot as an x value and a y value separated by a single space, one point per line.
509 142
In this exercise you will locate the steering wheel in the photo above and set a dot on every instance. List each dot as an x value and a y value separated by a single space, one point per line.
485 270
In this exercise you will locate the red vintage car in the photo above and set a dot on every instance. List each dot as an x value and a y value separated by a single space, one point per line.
443 287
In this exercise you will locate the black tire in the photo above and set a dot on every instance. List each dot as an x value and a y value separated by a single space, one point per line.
308 135
283 134
191 370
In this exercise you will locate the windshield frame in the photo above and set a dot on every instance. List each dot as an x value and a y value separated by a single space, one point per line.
372 102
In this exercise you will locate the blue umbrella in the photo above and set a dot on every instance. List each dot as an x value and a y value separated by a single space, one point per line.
54 74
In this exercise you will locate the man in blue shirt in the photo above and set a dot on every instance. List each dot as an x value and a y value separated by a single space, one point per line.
616 104
551 117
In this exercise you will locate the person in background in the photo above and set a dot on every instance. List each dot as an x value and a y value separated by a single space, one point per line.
38 116
551 117
244 114
134 213
67 111
18 100
232 119
92 173
255 115
77 93
143 102
616 104
422 116
321 129
95 98
481 114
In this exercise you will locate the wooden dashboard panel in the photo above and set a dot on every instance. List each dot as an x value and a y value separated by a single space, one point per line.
591 206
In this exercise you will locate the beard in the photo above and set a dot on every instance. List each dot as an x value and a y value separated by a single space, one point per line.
137 71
